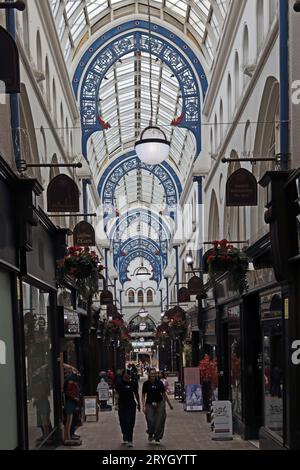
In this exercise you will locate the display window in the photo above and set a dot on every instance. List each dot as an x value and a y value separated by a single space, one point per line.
38 362
273 377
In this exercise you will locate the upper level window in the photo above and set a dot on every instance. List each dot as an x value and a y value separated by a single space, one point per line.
149 296
131 297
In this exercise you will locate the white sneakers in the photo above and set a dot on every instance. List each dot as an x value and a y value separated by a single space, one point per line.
129 444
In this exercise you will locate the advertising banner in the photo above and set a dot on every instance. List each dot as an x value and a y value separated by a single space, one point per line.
222 420
193 391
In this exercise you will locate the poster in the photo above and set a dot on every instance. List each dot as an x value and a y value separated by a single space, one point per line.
193 390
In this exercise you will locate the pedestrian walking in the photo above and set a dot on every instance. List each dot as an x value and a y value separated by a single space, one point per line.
153 401
128 401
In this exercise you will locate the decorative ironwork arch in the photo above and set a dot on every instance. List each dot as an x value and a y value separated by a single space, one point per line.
153 260
144 215
121 250
165 45
128 162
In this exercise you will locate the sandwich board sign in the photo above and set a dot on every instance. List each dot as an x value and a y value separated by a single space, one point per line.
222 420
90 407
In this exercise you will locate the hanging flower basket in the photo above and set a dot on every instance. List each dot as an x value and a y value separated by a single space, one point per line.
177 326
208 378
84 267
113 328
162 335
226 258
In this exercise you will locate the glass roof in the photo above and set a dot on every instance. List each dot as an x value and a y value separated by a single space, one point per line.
201 20
124 103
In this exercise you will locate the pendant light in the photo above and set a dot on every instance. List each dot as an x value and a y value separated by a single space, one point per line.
153 146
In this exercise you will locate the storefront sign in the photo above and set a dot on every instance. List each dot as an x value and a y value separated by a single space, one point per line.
90 408
106 297
10 69
222 420
62 195
71 323
84 234
195 285
241 189
183 295
142 344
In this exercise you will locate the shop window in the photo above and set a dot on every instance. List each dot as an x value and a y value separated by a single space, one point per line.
235 373
131 297
149 296
38 360
140 296
273 377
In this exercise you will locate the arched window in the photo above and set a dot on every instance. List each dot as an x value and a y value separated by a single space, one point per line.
131 297
71 143
43 154
67 135
140 296
221 120
259 24
229 98
216 133
245 51
39 60
149 296
236 78
62 121
47 75
272 10
54 101
26 29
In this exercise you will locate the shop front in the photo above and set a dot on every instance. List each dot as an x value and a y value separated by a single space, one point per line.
40 333
271 314
10 422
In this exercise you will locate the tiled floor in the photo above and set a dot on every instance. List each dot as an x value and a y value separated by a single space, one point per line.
184 431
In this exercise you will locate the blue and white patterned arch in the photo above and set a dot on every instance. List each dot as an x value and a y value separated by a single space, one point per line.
126 38
140 253
143 215
128 162
121 250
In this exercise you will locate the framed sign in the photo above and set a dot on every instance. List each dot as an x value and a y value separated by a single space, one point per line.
90 408
84 234
62 195
241 189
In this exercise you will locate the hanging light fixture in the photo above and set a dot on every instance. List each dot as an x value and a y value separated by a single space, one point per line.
153 146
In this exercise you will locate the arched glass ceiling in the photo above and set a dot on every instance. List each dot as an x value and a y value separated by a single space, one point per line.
200 20
124 103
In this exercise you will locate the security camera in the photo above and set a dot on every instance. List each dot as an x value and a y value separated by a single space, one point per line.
297 6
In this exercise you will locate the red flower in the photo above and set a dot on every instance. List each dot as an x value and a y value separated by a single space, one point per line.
224 243
210 258
215 243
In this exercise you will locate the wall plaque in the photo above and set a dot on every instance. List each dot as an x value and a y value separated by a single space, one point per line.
241 189
84 234
62 195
